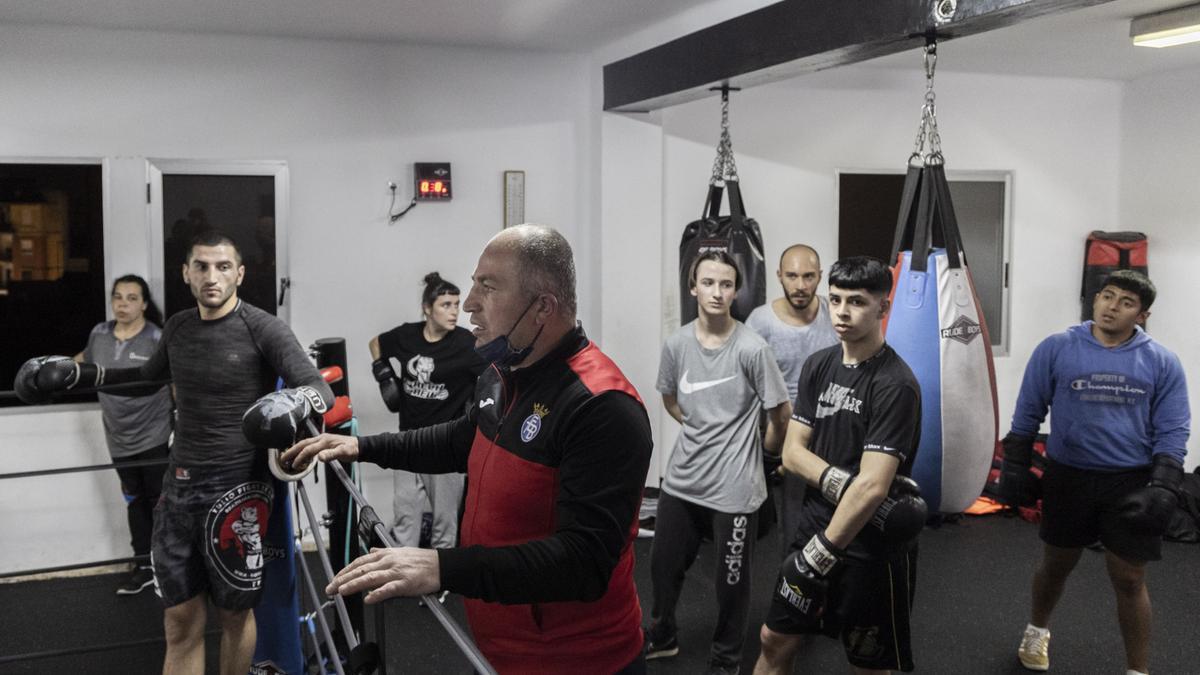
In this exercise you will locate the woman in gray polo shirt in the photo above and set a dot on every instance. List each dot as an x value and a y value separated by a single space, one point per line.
135 427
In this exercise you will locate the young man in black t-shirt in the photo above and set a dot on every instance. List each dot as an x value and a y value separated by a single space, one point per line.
855 428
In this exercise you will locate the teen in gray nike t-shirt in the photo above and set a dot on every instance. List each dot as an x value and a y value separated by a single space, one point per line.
717 458
716 377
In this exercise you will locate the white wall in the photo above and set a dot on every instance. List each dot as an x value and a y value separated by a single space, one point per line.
1160 160
347 118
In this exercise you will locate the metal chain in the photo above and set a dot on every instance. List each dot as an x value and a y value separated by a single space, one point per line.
724 168
927 132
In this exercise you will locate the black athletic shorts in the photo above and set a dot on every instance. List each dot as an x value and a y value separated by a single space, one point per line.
868 608
1079 508
209 527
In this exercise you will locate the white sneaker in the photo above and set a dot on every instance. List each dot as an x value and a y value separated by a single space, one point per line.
1034 651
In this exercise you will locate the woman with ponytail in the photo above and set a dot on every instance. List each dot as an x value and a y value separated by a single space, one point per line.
426 372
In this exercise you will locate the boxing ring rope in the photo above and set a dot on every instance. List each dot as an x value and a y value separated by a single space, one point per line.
91 649
147 386
82 469
77 469
369 521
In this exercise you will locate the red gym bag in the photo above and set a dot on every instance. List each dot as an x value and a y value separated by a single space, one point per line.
1105 253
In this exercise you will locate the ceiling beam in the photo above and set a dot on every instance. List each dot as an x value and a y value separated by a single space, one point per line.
794 37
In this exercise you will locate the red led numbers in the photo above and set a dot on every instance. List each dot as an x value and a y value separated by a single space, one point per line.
432 181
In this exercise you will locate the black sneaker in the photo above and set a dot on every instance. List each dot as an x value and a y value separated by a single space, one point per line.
722 669
659 648
139 580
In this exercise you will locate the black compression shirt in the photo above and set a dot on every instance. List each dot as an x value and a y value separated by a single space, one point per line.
219 368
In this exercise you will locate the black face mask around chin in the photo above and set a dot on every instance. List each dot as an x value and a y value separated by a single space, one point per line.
501 352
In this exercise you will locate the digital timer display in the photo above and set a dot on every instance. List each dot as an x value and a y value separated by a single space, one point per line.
432 181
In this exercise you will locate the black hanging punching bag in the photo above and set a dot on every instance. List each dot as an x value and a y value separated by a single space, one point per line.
737 235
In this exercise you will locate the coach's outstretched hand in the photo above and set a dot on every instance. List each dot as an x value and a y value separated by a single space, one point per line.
326 447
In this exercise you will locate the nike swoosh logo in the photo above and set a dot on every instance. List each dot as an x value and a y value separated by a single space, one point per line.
693 387
486 403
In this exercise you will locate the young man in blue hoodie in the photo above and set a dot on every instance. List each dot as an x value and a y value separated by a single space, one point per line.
1114 457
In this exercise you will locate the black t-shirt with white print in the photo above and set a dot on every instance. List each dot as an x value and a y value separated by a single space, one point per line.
437 379
871 406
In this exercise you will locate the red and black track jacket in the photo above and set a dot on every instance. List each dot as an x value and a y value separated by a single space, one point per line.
556 457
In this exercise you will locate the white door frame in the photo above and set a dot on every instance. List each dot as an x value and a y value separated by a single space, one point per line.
156 167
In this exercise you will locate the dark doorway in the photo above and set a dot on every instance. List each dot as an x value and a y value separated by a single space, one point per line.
242 207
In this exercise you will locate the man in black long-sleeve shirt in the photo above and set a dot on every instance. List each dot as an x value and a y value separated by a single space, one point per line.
556 447
207 541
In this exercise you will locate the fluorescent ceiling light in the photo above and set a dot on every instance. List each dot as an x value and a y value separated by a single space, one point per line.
1177 26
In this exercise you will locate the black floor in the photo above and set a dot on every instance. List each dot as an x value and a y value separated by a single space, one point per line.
972 603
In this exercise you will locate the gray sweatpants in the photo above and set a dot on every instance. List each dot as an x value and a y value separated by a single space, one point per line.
415 494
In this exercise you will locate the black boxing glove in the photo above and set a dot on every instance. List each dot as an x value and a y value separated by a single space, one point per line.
1148 510
278 419
42 376
389 384
804 579
25 383
833 483
902 514
1018 486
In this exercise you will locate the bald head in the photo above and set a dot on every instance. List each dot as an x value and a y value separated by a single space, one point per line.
799 274
808 253
545 262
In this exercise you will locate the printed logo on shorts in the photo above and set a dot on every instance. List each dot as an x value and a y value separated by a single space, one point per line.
235 526
533 424
863 642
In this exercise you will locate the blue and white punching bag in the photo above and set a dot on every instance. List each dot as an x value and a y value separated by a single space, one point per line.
937 326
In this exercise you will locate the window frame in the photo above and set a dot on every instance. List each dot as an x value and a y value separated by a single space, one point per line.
107 216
